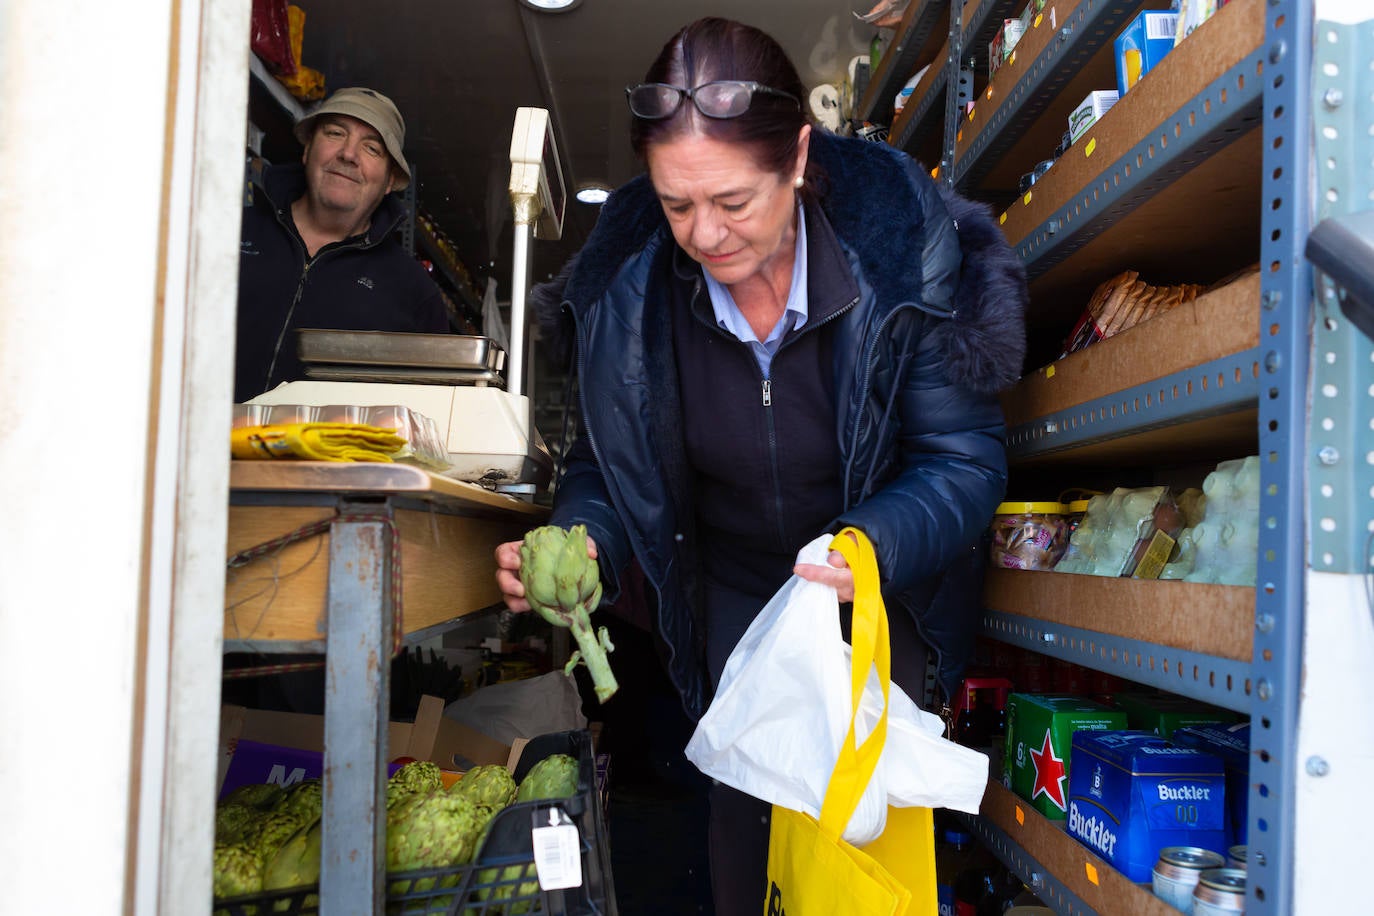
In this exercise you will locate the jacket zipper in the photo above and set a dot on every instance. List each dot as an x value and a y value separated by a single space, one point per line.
294 235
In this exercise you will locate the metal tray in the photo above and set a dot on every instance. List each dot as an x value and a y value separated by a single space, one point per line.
404 375
393 348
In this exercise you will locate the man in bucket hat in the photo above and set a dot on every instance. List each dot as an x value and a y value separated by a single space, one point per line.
317 247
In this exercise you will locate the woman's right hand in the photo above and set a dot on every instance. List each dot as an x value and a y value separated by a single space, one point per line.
508 573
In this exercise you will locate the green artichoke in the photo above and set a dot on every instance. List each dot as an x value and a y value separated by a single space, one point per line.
420 776
234 821
305 798
489 784
272 831
437 830
263 796
553 777
563 584
297 862
237 870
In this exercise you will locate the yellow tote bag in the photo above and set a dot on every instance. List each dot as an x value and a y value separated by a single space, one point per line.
812 871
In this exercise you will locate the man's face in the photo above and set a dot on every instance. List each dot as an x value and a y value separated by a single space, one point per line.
347 168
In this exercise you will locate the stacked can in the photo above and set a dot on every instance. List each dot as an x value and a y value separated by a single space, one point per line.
1178 872
1219 892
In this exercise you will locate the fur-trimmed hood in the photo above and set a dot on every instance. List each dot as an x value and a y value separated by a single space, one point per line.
869 193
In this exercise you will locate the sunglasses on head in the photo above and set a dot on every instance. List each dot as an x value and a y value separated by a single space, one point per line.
716 99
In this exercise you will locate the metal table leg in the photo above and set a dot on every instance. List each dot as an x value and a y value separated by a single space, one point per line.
356 713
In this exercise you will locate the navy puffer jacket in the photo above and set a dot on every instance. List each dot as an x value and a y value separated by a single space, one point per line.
935 330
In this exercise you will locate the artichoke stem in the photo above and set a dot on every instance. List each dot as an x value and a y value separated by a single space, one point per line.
593 654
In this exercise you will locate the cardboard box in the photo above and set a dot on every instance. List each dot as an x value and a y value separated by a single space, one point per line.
286 747
1133 793
1162 714
1083 117
1040 729
1232 744
1142 45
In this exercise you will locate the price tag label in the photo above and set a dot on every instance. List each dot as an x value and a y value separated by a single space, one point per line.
1091 871
557 852
1002 219
1020 816
1049 372
1039 17
1025 201
1088 150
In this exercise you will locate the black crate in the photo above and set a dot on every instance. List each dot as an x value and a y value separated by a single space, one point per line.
501 882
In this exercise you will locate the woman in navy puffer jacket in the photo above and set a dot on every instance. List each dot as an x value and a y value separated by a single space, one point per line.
778 333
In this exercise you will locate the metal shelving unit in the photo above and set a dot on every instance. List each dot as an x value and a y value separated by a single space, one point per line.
1240 111
900 58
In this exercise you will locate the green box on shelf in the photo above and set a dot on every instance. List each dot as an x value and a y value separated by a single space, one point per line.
1163 713
1040 731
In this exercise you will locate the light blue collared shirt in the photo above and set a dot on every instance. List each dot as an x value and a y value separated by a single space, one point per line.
794 315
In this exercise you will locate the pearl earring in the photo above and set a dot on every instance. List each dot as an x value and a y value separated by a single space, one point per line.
798 182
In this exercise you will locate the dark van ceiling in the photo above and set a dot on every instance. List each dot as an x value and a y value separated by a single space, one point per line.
458 70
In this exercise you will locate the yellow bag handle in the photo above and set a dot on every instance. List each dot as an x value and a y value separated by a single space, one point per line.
869 637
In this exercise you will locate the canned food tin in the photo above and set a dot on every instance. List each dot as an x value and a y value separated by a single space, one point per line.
1177 870
1236 857
1219 892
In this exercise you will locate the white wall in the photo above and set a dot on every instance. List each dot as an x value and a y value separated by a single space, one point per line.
118 240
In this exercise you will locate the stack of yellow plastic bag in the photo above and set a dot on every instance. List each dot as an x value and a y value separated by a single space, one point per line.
316 442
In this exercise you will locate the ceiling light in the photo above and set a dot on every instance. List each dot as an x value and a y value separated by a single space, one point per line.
593 194
551 6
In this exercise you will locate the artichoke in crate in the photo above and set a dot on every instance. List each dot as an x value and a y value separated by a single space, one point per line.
264 796
233 822
553 777
297 862
563 584
237 870
271 833
417 776
437 830
305 798
488 784
496 885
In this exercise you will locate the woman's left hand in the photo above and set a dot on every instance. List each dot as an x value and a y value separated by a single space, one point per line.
837 575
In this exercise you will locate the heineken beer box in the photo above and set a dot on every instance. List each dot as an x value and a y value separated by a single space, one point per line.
1133 793
1232 744
1163 713
1039 729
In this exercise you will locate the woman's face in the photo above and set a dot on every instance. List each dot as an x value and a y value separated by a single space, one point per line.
729 215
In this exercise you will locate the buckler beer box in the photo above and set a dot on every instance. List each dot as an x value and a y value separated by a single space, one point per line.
1133 793
1165 712
1039 729
1232 744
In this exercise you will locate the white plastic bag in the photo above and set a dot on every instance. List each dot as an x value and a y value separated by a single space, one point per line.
777 721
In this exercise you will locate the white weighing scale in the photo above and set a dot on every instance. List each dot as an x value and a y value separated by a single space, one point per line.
456 381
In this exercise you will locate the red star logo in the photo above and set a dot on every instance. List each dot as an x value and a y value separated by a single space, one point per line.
1049 773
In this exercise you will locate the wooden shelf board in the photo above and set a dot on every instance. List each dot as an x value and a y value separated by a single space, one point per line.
1235 32
1199 617
1216 324
1095 882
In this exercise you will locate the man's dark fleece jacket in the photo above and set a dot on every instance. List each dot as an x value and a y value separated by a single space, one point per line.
364 283
930 327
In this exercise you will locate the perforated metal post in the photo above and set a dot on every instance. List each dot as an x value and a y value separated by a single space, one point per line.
1284 316
955 62
356 711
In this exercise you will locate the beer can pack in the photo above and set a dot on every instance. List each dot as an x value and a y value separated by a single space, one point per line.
1219 892
1040 730
1178 871
1131 794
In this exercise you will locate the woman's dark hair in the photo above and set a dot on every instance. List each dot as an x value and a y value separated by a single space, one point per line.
721 49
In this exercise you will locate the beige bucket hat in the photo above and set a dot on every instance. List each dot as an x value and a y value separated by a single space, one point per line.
373 109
